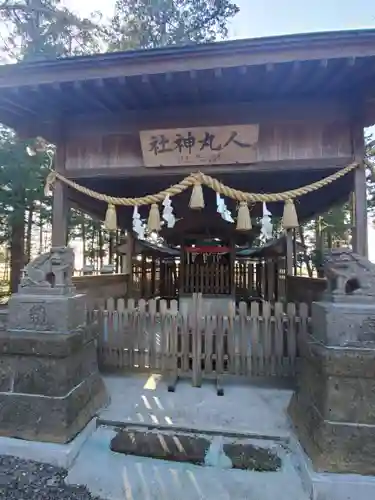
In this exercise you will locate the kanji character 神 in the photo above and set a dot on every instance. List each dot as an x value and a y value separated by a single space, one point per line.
185 142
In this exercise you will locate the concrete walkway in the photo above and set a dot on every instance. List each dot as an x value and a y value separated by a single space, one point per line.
115 476
245 407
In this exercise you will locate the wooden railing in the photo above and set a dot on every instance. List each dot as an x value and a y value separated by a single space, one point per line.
260 340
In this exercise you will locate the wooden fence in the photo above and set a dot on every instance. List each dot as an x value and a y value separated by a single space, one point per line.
261 340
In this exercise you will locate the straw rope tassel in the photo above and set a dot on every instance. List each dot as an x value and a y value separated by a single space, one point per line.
50 181
153 223
243 217
110 221
290 218
197 199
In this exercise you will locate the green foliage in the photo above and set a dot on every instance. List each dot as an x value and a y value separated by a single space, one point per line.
21 176
158 23
42 29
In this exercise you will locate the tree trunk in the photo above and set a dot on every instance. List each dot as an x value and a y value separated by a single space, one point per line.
111 247
40 233
93 254
17 248
305 255
29 229
118 256
101 248
329 239
319 245
83 236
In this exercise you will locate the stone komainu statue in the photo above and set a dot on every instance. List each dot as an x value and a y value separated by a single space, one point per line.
348 273
53 269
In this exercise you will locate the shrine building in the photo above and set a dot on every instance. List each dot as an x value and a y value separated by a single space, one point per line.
264 115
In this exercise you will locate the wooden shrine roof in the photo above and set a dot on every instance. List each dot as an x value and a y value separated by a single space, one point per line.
318 64
150 248
269 250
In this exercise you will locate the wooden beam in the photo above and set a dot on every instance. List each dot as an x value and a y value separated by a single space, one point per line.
194 87
274 77
119 92
131 95
10 110
265 111
84 93
147 83
318 71
218 73
342 73
270 166
16 102
104 92
359 231
292 79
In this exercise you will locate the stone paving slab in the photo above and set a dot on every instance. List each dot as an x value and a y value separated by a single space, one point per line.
245 408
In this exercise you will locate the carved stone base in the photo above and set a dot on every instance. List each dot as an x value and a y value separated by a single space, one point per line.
343 323
50 385
46 313
333 410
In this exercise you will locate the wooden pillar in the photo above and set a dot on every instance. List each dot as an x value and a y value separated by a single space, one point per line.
127 258
359 198
251 277
60 206
60 215
289 252
127 264
276 278
359 209
294 241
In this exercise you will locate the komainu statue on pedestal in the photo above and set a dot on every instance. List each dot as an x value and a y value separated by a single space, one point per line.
348 274
52 270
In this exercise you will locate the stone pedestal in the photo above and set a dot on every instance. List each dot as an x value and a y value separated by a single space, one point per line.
333 409
344 323
50 386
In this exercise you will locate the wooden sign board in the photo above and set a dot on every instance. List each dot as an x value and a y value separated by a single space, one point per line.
226 145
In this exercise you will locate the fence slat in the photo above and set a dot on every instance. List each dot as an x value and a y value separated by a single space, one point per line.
196 316
153 335
266 339
150 336
292 343
254 339
279 338
243 341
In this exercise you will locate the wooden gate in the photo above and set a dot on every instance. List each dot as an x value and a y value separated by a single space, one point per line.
260 341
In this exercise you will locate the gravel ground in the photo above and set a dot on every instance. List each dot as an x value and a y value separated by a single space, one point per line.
26 480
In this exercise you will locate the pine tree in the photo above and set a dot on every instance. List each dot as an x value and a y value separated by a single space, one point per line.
33 29
158 23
